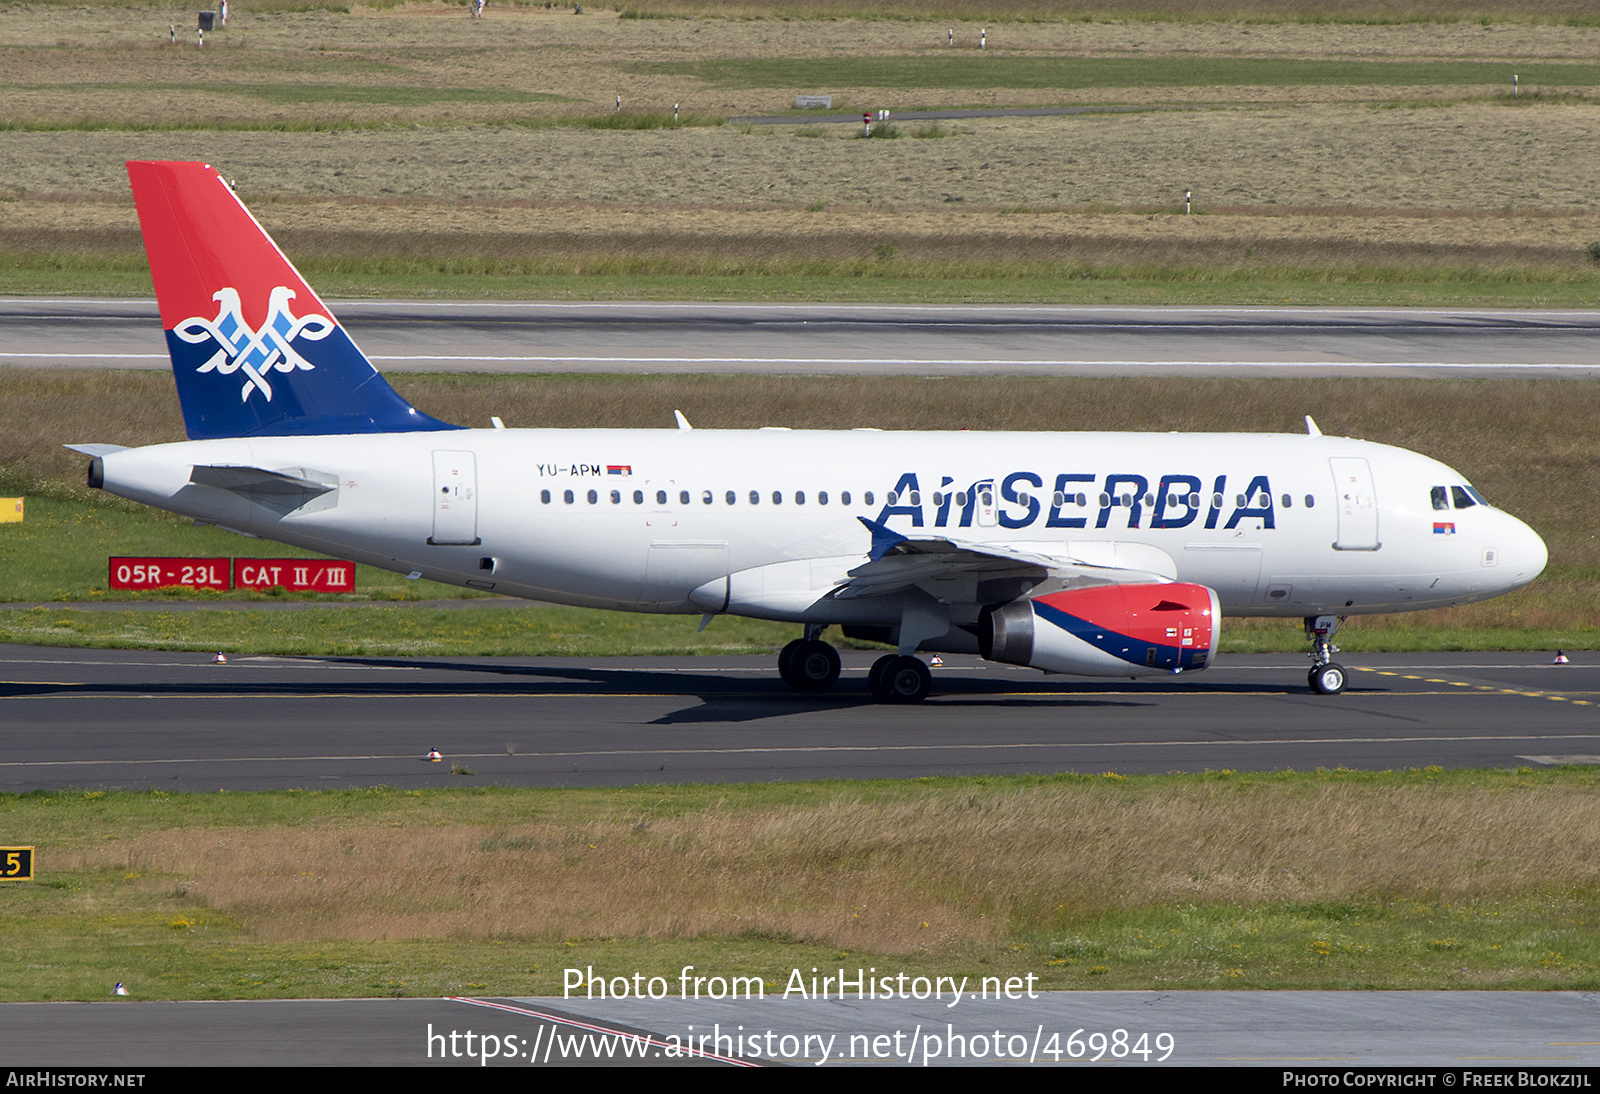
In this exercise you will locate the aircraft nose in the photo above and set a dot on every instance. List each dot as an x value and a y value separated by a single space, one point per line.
1524 554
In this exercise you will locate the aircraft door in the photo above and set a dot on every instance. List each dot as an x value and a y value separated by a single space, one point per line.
1356 499
455 498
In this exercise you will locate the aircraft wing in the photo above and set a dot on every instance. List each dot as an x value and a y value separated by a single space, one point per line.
898 562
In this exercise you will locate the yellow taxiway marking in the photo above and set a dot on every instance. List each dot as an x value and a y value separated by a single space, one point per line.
1554 697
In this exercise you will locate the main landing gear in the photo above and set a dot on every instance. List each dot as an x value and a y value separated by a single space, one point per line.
810 664
897 678
1327 677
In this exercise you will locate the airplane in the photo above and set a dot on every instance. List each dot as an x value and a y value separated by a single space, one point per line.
1099 554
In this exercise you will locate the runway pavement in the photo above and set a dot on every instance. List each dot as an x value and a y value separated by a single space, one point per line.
504 336
102 718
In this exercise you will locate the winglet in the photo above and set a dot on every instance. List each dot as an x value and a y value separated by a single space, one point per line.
884 539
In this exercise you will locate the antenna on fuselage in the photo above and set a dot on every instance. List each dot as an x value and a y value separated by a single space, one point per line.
683 423
1311 426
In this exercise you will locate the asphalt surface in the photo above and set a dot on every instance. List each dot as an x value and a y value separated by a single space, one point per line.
103 718
1472 1034
844 339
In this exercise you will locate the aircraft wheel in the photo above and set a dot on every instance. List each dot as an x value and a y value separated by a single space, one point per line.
814 666
786 670
875 677
905 680
1327 679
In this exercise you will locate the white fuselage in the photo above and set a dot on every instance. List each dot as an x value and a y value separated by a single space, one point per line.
766 522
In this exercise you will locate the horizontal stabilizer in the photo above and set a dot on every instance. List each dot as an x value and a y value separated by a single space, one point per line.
96 449
282 491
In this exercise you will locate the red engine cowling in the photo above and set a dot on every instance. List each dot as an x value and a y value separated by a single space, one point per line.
1107 630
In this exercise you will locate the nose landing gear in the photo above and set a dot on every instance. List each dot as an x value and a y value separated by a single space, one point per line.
1327 677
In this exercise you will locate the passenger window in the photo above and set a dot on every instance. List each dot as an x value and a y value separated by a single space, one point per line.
755 497
616 497
732 497
705 498
661 497
567 497
594 497
868 497
638 497
777 497
1440 497
683 497
822 497
1287 501
544 496
799 497
1311 501
1462 498
844 498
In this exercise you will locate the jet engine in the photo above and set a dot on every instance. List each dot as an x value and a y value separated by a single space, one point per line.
1106 630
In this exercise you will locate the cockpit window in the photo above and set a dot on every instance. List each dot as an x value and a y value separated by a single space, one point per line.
1441 497
1463 499
1475 495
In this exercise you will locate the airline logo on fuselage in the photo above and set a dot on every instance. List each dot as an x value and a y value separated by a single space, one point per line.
256 353
1021 500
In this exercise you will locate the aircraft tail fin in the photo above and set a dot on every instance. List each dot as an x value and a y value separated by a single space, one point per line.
254 351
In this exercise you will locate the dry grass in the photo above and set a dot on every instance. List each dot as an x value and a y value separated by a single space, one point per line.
926 872
297 75
1468 156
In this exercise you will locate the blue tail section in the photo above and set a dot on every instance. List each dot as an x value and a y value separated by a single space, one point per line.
254 351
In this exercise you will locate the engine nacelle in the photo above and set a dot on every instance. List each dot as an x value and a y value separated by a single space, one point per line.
1106 630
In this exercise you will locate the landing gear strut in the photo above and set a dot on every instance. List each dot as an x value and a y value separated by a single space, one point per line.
1327 677
809 664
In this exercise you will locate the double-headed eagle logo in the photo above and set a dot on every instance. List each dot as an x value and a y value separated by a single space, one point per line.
256 352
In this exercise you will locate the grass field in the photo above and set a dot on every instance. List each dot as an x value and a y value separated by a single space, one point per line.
1337 879
1363 156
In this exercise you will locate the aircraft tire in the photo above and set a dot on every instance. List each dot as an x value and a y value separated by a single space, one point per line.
1327 679
905 680
875 677
786 671
814 666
